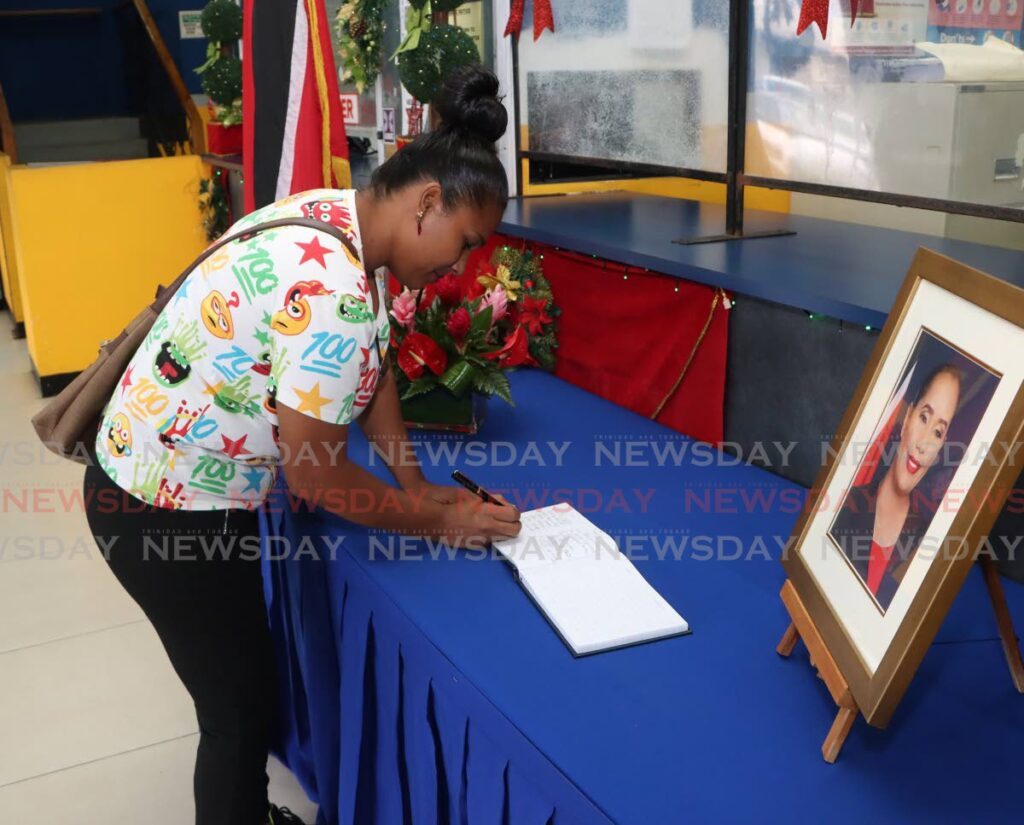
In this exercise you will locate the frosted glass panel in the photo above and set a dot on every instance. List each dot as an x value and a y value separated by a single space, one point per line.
886 105
644 81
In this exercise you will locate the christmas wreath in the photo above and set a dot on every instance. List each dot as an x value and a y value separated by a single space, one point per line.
429 51
441 50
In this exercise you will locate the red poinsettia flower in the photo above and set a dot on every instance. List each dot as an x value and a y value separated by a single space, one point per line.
458 324
532 314
449 288
471 286
515 352
419 351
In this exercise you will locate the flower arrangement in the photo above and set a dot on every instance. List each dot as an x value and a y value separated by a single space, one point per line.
461 335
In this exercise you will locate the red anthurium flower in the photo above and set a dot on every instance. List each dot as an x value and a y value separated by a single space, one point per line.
516 350
449 288
419 351
532 314
458 324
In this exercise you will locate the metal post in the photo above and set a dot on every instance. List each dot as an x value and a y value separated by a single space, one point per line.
736 130
737 114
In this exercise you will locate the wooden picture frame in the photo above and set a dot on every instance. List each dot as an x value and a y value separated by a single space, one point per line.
832 628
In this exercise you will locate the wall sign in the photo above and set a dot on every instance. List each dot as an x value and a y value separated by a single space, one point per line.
350 108
190 26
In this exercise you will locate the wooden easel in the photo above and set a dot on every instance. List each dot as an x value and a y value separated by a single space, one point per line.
1007 635
801 627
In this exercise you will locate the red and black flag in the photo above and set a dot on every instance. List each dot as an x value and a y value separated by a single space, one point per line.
293 131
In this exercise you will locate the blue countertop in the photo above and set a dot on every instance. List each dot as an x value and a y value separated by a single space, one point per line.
848 271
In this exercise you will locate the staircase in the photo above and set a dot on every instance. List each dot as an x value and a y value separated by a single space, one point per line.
76 141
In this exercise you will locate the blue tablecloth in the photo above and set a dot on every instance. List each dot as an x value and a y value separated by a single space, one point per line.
431 690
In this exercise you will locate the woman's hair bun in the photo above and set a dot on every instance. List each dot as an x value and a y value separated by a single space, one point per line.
469 102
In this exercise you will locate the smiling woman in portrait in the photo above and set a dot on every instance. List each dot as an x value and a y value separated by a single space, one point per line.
881 522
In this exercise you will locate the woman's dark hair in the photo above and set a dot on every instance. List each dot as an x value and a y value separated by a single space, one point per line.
460 153
943 369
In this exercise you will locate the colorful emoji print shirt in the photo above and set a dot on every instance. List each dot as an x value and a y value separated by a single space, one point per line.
283 315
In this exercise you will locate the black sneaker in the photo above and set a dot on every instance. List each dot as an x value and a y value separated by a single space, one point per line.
283 816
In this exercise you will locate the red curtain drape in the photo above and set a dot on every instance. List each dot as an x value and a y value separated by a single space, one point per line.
626 334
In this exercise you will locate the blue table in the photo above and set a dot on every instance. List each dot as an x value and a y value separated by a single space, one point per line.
848 271
433 690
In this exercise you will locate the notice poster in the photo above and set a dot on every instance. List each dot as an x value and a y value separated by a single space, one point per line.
470 18
882 27
971 21
190 25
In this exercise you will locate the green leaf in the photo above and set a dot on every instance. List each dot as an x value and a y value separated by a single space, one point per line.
493 382
481 321
458 377
418 387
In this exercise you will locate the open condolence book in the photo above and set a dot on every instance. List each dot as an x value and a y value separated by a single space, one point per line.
589 591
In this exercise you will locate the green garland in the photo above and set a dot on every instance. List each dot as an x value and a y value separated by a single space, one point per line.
360 29
441 50
213 204
525 267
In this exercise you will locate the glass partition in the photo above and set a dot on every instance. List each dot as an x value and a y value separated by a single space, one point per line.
632 81
912 100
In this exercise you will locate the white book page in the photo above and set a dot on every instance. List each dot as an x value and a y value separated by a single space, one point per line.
588 590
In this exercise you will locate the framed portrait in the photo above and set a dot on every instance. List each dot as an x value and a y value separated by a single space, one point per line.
921 465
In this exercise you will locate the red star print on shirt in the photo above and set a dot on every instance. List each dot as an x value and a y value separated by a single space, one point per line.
234 448
314 251
190 436
126 381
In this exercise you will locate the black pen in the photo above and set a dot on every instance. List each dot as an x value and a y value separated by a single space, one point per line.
473 487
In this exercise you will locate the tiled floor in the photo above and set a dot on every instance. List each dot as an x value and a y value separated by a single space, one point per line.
94 725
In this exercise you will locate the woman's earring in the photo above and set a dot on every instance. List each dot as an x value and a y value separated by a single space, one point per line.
419 222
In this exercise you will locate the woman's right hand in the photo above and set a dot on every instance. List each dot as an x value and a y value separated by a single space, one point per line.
472 523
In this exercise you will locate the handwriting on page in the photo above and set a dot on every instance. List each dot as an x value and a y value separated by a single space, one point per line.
551 535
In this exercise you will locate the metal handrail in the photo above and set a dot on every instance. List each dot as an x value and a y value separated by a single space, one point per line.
196 129
7 142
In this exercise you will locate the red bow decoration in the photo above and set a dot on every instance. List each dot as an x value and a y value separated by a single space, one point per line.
542 18
816 11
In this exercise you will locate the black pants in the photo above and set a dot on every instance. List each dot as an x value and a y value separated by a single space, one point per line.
196 575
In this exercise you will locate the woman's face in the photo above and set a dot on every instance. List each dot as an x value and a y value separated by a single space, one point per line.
925 427
446 239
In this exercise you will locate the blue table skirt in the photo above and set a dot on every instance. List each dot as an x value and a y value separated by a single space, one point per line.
380 727
432 691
